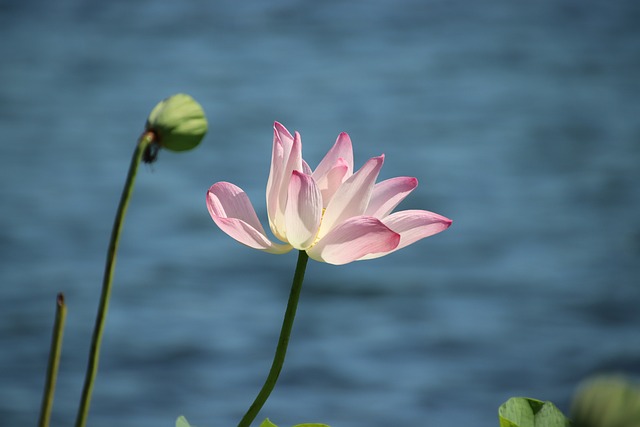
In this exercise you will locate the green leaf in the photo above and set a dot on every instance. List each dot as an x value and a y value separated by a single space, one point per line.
182 422
607 401
267 423
525 412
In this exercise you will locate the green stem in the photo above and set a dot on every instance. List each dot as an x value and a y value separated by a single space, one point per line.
54 362
283 342
92 369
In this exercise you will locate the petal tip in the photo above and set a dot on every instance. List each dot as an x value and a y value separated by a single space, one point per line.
394 240
279 128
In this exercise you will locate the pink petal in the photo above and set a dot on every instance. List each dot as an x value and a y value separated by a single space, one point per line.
353 239
232 211
413 225
303 212
331 181
305 168
277 189
388 194
353 196
341 149
275 176
283 135
294 160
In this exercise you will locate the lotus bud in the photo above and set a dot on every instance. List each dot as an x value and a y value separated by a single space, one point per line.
178 123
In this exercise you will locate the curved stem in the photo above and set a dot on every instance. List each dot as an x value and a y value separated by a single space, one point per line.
92 369
283 342
54 362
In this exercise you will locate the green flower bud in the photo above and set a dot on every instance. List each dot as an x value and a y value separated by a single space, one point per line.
178 123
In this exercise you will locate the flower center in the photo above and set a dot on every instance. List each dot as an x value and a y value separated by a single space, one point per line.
319 227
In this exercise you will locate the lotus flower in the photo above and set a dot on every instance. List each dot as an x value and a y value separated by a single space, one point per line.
333 214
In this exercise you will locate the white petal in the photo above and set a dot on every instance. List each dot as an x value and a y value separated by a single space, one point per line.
304 211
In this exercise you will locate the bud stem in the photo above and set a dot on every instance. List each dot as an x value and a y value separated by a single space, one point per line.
54 362
283 342
92 369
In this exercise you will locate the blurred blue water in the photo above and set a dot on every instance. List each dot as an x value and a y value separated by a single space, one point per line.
520 119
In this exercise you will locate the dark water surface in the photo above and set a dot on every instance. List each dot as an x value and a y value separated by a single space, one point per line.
520 119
